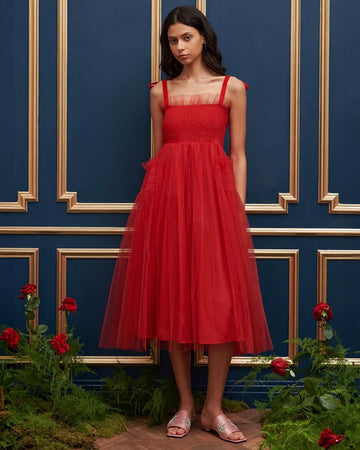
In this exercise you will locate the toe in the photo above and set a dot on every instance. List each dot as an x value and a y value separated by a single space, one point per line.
236 435
172 430
176 430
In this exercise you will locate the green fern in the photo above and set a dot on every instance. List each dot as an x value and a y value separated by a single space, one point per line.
146 394
329 398
78 405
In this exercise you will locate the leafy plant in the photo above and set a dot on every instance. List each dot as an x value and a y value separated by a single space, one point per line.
146 395
325 397
46 408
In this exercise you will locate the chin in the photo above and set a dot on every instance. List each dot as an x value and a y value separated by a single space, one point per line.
185 62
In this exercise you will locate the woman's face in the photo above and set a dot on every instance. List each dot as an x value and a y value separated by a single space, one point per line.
185 43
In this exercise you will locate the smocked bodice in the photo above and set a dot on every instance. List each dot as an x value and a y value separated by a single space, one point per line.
204 122
194 118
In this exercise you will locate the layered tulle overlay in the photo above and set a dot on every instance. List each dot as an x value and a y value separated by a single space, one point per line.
186 270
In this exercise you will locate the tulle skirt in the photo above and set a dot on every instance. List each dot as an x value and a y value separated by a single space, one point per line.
186 270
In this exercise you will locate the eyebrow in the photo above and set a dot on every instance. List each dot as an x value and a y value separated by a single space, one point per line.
186 32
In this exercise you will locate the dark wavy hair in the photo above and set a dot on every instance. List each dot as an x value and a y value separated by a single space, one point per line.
191 16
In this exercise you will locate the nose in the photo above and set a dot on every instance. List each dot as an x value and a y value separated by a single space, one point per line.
180 45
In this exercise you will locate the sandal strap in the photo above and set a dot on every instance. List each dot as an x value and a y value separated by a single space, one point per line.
181 419
224 426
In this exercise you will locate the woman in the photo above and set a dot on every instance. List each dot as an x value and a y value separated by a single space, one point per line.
190 281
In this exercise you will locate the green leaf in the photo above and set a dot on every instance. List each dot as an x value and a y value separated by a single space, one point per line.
328 332
284 398
329 401
308 401
66 358
60 376
287 402
32 304
29 315
310 386
41 328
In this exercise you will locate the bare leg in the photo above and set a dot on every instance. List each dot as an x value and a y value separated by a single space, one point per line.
218 367
181 363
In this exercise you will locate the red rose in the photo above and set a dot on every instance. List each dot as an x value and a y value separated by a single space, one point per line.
10 336
68 304
27 289
322 311
328 438
59 343
279 366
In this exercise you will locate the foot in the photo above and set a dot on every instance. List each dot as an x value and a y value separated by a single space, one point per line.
211 421
179 425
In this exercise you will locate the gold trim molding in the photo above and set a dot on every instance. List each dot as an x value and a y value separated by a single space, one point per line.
63 195
323 256
32 255
31 195
155 52
294 145
64 230
292 255
324 196
339 232
62 256
321 232
201 5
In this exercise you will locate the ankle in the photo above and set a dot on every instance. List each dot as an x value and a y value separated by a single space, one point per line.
211 410
188 405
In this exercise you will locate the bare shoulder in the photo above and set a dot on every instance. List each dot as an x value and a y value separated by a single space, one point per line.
236 86
156 92
236 91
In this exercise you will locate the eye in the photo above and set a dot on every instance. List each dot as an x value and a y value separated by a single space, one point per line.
172 41
188 37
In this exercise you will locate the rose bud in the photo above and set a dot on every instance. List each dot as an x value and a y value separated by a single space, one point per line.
279 366
319 311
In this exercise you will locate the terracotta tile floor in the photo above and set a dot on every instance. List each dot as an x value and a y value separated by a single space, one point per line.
140 437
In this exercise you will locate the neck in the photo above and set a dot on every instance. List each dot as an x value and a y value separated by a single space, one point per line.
196 71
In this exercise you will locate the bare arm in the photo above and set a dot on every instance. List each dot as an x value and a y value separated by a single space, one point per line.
237 126
156 95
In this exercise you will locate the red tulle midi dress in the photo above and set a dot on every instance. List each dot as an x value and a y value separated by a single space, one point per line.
186 270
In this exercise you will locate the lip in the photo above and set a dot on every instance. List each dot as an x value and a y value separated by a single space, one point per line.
182 56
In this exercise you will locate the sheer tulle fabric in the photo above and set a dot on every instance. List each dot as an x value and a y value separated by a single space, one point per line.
198 99
186 271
